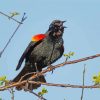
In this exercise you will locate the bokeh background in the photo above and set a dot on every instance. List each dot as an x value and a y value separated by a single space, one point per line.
82 37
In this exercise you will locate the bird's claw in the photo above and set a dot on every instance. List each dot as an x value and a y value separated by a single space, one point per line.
50 66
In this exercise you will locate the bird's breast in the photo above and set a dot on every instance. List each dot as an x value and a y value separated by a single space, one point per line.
46 52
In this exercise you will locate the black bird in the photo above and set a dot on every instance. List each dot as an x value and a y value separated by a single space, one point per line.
43 50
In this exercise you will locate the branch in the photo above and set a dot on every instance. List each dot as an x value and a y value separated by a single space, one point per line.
83 82
23 18
10 17
65 85
50 69
63 64
49 84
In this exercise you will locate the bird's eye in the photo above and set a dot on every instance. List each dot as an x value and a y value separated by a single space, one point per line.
61 28
56 28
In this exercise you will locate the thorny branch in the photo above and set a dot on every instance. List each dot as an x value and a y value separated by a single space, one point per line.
50 69
19 24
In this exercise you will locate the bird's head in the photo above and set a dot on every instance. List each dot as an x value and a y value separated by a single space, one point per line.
56 28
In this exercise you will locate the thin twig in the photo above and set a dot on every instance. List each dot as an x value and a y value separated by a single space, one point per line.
10 17
23 18
31 73
12 93
83 82
40 97
65 85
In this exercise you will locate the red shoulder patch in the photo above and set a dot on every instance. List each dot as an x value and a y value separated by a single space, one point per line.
38 37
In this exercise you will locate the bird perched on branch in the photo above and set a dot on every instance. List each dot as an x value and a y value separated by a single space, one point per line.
43 50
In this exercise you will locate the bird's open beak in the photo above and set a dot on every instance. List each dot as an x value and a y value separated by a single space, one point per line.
63 21
64 26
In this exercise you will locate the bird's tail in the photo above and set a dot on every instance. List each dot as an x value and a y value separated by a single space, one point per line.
25 74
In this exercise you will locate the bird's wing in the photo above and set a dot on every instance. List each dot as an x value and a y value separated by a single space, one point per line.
28 50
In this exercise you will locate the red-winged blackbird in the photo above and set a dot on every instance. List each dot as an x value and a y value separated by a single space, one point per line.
43 50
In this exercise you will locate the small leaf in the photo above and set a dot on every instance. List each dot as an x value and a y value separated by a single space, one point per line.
13 14
2 78
96 78
65 55
1 83
44 90
40 94
69 55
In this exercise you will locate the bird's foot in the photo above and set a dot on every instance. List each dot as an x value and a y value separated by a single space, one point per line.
51 68
25 87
